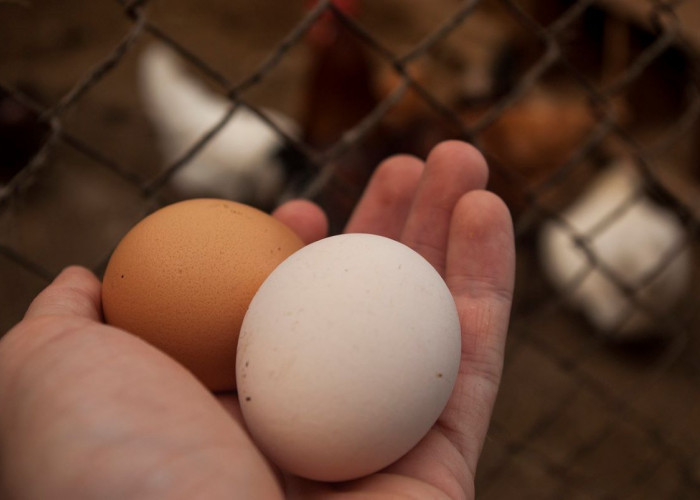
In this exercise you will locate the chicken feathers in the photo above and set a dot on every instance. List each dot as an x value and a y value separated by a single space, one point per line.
245 161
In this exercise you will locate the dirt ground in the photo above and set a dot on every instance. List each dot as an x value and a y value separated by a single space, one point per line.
577 417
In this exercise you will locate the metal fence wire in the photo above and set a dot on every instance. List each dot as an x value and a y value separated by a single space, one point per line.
588 112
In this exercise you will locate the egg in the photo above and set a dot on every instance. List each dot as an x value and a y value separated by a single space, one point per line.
347 356
183 277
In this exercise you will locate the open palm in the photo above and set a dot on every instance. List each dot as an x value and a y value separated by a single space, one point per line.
89 411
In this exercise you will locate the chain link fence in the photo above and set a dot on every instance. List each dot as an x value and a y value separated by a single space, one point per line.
588 112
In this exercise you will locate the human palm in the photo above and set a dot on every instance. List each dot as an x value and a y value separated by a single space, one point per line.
89 411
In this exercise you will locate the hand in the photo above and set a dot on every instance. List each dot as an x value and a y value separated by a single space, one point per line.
89 411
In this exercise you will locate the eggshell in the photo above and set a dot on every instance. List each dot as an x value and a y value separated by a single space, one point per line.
183 277
347 356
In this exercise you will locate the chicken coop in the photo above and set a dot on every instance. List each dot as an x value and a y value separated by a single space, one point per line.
587 111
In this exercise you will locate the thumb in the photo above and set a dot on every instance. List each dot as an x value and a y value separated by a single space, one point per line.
74 292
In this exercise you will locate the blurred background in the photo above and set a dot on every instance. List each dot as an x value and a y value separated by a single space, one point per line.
588 112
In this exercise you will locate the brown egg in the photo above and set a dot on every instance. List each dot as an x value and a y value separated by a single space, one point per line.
183 277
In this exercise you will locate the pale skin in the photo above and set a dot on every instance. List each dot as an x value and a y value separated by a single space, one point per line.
89 411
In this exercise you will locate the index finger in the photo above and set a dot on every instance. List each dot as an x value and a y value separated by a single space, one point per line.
386 202
74 292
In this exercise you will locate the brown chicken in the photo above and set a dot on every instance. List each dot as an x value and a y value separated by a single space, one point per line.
342 89
338 90
532 139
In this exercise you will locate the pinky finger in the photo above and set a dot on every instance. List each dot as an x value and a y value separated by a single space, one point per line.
387 200
480 274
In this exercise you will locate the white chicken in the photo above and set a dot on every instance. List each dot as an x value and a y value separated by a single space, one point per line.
247 160
639 238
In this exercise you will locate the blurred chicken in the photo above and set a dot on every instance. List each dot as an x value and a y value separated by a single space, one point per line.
476 67
246 161
539 132
534 138
480 61
639 240
338 89
337 95
345 83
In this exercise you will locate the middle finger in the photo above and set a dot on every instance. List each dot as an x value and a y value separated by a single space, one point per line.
386 202
452 169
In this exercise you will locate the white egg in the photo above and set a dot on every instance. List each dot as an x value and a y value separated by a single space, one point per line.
347 356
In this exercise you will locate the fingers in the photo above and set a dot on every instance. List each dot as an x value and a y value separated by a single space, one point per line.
74 292
452 169
440 210
481 256
387 200
480 273
304 218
